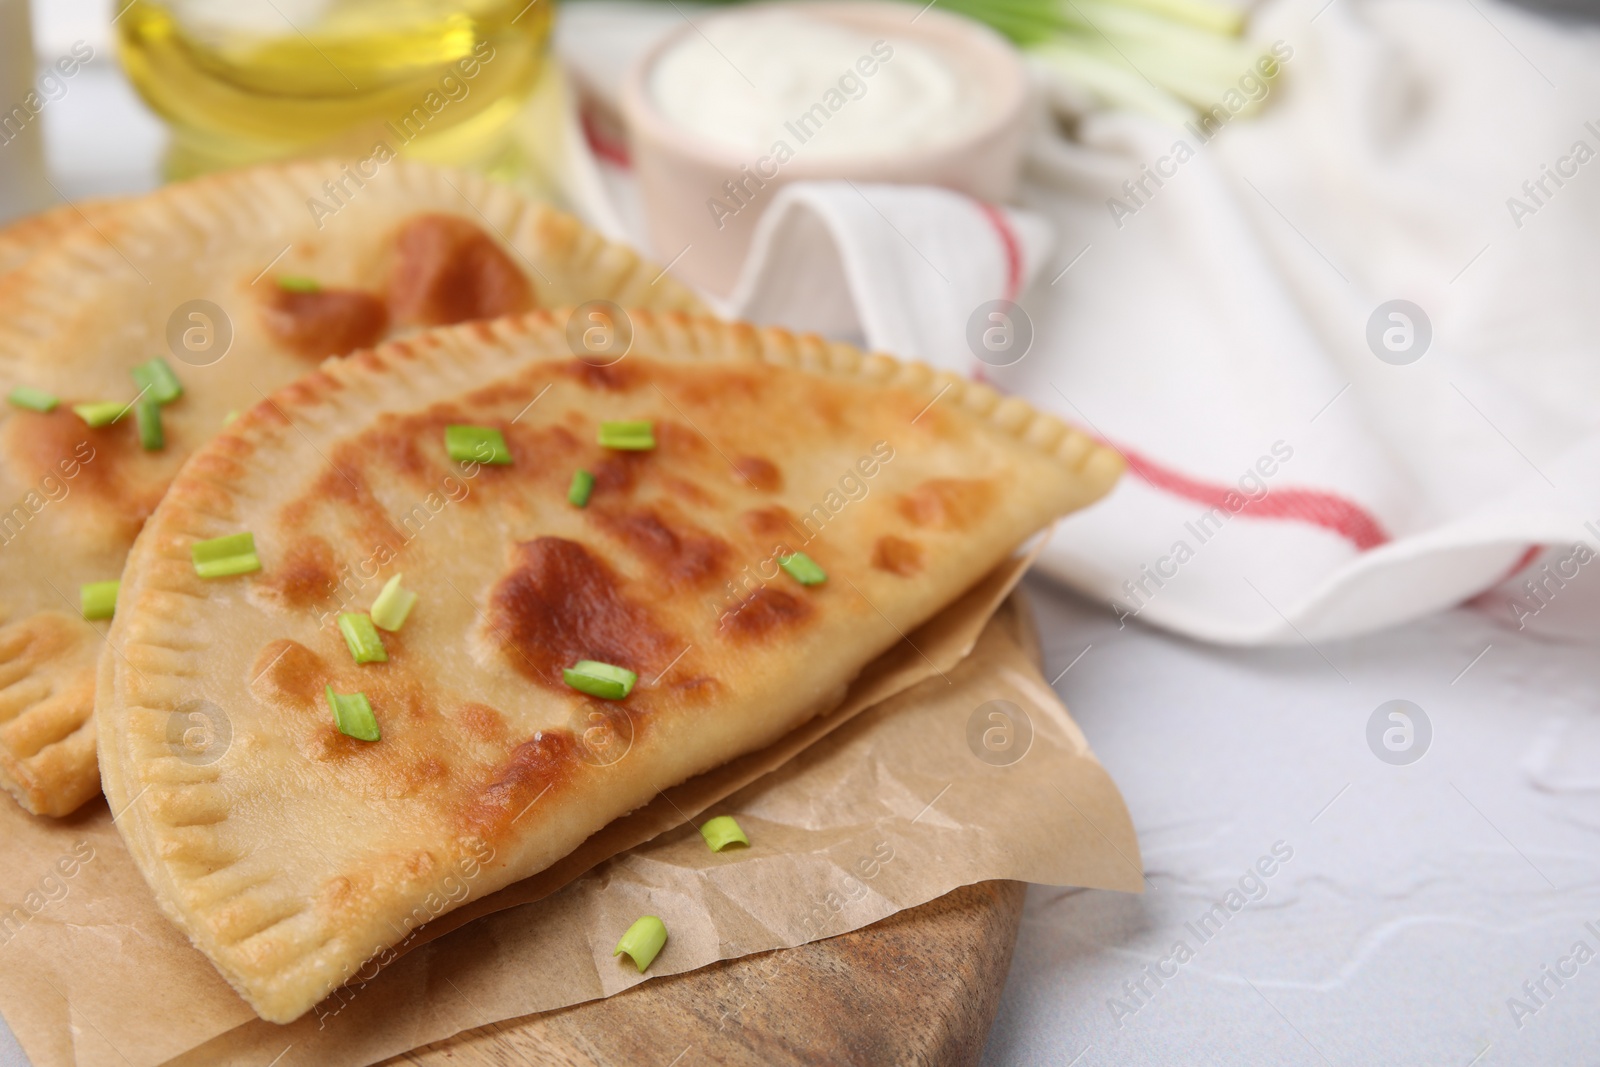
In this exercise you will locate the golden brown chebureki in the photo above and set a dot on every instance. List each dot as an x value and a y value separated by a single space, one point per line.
301 851
282 289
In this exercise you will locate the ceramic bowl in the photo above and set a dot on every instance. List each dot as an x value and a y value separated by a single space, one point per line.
679 172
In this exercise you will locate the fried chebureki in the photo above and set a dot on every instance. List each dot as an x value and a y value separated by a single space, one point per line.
236 284
765 514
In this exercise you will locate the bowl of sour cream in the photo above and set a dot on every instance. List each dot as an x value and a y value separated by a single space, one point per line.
725 111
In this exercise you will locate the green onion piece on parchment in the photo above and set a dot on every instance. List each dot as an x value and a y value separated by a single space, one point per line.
600 679
628 436
99 599
352 714
803 569
152 438
642 941
26 396
582 485
299 283
100 412
389 611
361 637
222 557
485 444
722 832
156 380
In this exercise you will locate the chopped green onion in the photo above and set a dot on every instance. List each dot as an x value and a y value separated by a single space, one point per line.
722 832
26 396
152 438
222 557
803 569
582 485
482 443
362 638
628 436
227 420
642 941
299 283
100 413
158 378
99 599
352 714
600 679
389 611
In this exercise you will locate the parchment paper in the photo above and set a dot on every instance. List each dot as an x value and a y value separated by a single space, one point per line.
880 806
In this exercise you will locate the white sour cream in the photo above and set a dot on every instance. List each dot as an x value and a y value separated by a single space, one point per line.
824 89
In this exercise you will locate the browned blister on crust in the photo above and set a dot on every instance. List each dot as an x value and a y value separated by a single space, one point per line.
191 274
291 854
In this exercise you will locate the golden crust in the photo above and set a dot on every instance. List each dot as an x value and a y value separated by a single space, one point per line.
24 238
296 853
46 702
98 297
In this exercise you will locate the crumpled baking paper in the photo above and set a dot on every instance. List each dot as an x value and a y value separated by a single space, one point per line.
950 762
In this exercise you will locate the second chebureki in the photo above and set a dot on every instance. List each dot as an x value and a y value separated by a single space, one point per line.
557 643
137 337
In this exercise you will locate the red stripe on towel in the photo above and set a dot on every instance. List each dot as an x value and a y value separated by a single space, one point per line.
1483 598
1008 241
613 152
1328 510
1530 554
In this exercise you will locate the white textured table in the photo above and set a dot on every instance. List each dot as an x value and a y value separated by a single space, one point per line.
1418 898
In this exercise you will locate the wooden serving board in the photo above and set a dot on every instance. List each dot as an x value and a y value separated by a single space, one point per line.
920 987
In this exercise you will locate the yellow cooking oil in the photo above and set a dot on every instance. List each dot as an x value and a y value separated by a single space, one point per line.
245 81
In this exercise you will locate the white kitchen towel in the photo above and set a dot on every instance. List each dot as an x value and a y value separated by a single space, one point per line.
901 268
1350 346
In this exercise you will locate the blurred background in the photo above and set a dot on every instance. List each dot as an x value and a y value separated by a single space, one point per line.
1325 271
